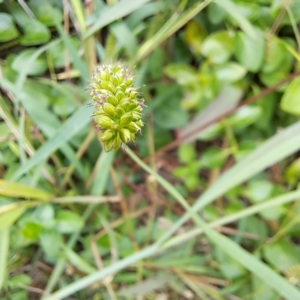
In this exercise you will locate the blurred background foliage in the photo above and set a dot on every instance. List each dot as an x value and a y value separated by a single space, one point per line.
219 79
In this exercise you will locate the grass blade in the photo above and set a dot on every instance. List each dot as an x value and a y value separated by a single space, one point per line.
4 245
14 189
78 63
115 12
234 250
273 150
71 127
175 23
102 172
233 10
254 209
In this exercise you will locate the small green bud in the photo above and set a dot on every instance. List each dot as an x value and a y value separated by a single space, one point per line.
126 106
133 128
120 96
136 115
108 145
117 142
112 100
125 120
109 109
104 122
129 82
125 135
115 80
111 87
119 111
107 135
117 107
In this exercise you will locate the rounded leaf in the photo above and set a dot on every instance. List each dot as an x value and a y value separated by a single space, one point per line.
68 221
36 33
250 52
8 30
38 67
218 47
290 101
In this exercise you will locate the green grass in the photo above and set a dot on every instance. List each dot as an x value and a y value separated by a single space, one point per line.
216 217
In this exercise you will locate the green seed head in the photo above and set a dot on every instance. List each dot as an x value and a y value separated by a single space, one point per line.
118 110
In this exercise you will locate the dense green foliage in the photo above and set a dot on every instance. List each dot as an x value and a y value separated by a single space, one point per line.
216 215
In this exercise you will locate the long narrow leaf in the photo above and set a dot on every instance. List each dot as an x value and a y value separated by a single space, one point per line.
236 14
275 149
115 12
175 23
4 245
72 126
274 202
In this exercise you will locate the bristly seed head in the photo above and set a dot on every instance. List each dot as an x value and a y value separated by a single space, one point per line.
118 110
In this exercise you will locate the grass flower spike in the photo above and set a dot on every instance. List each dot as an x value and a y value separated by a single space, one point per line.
118 110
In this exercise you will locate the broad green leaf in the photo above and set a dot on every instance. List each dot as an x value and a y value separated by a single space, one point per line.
31 230
36 33
63 100
182 73
187 153
8 30
68 221
292 173
290 101
230 72
250 51
216 14
218 47
14 189
46 13
274 55
51 243
38 67
58 52
245 116
233 10
282 254
214 158
249 10
171 116
16 281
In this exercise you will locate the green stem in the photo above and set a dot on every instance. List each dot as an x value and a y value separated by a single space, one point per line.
88 280
294 26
